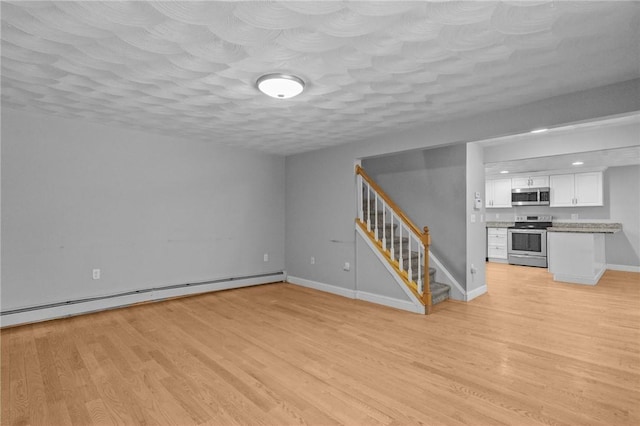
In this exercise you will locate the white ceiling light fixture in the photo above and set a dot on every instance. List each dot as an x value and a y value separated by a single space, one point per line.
577 163
504 172
280 86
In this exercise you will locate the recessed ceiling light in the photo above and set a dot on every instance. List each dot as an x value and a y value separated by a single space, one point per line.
504 172
280 86
577 163
540 130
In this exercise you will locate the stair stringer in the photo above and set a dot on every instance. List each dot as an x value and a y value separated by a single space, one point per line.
456 292
408 303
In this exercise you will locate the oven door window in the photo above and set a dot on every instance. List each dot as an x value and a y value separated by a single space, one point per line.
521 241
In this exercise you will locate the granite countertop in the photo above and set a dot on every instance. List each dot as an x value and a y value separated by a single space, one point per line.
499 224
586 227
594 227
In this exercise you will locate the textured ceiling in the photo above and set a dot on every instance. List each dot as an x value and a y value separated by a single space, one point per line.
189 68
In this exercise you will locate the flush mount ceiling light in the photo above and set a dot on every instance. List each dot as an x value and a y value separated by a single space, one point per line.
577 163
540 130
280 86
504 172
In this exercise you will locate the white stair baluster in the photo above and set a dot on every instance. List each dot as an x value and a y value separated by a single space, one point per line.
409 270
420 254
392 247
376 218
400 245
360 195
368 208
384 226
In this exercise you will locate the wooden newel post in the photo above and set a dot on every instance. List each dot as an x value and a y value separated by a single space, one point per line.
426 294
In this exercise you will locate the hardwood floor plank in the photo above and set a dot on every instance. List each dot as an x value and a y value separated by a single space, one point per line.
530 352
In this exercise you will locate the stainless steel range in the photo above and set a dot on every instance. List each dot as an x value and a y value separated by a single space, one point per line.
527 241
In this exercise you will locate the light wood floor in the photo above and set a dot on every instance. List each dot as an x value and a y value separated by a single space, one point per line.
531 351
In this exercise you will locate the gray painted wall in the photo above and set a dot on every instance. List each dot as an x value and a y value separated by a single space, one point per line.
623 248
372 276
430 186
476 229
321 190
147 210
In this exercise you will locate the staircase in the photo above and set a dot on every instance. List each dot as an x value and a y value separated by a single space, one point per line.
439 291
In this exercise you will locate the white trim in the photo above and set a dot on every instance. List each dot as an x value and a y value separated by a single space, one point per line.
412 297
624 268
328 288
475 293
449 278
85 307
404 305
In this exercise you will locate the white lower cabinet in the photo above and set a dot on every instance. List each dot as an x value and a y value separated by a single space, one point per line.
497 244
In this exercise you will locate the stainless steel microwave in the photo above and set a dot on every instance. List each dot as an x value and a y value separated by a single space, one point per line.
530 197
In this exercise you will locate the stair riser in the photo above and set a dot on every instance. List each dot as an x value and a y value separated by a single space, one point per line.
414 273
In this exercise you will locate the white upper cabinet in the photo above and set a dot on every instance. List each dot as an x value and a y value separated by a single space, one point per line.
589 189
498 193
576 190
530 182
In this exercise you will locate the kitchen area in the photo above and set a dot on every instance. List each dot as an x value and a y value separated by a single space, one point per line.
576 214
573 250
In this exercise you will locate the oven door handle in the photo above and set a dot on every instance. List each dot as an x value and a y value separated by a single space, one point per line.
527 231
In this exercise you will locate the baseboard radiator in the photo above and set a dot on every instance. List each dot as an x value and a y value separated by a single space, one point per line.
26 315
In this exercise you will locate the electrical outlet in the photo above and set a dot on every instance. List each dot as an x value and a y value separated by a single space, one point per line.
266 257
313 260
346 266
96 274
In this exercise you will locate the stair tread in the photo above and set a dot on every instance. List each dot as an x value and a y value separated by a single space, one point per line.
439 287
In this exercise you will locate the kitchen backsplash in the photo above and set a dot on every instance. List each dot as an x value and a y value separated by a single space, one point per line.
558 213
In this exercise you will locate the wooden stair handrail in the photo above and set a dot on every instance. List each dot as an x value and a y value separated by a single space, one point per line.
360 171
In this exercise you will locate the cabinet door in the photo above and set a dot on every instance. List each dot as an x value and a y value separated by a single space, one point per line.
588 189
562 190
488 194
523 182
502 193
539 181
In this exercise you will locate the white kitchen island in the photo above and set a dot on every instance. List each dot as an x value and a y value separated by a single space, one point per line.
576 251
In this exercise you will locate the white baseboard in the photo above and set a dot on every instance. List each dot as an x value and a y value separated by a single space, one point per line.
404 305
118 301
328 288
624 268
476 292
